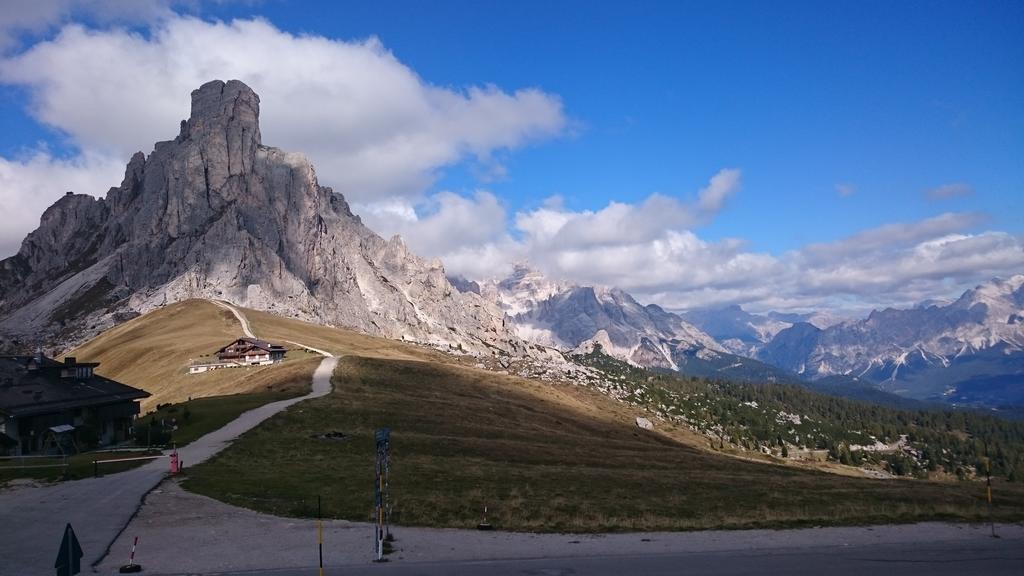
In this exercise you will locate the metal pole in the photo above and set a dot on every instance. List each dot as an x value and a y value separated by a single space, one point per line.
320 534
988 490
71 560
380 518
387 489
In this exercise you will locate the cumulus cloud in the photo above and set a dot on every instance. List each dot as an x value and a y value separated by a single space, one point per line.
37 17
620 223
951 190
889 238
712 198
444 224
648 248
373 128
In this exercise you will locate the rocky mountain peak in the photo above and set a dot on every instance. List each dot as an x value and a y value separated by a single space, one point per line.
214 213
224 107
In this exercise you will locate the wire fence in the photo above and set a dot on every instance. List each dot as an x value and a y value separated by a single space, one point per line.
32 461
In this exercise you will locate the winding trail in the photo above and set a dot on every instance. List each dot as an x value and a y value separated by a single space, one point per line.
241 317
33 518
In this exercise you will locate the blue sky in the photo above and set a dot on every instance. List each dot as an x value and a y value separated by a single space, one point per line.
839 119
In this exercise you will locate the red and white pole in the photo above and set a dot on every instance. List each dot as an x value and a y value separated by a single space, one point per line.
131 566
131 557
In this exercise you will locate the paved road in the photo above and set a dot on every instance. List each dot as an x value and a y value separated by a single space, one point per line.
984 556
32 519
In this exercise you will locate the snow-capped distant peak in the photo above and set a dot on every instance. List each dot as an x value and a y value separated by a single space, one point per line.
569 317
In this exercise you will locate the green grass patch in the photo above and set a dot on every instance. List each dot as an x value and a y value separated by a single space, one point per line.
541 457
52 469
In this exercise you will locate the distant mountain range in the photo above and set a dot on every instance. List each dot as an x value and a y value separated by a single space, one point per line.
744 333
571 317
967 352
970 351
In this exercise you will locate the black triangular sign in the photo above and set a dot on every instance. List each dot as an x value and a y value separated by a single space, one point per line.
70 554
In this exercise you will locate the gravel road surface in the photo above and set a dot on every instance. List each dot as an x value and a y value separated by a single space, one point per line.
184 533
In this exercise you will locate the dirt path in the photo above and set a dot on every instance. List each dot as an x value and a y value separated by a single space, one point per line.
33 518
241 318
247 330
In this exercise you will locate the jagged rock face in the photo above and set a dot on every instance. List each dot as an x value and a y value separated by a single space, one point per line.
216 214
924 352
579 317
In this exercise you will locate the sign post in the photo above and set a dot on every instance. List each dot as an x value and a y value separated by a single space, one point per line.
988 491
69 557
320 533
381 496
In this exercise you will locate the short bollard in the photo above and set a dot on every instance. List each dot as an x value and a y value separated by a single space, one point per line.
485 525
131 566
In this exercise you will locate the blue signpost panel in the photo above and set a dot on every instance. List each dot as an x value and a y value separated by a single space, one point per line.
69 557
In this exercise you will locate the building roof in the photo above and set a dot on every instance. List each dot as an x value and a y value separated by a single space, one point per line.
254 343
34 385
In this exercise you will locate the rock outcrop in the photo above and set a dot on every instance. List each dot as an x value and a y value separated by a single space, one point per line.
216 214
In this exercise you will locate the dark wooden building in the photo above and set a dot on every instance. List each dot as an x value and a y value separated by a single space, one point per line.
251 352
40 397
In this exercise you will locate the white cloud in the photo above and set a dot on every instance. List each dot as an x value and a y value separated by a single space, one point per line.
37 17
647 248
620 223
712 198
446 223
890 238
951 190
373 128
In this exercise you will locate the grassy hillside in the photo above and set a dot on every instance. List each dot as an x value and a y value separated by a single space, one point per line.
153 352
541 457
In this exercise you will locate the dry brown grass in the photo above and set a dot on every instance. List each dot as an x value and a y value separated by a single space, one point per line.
153 352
